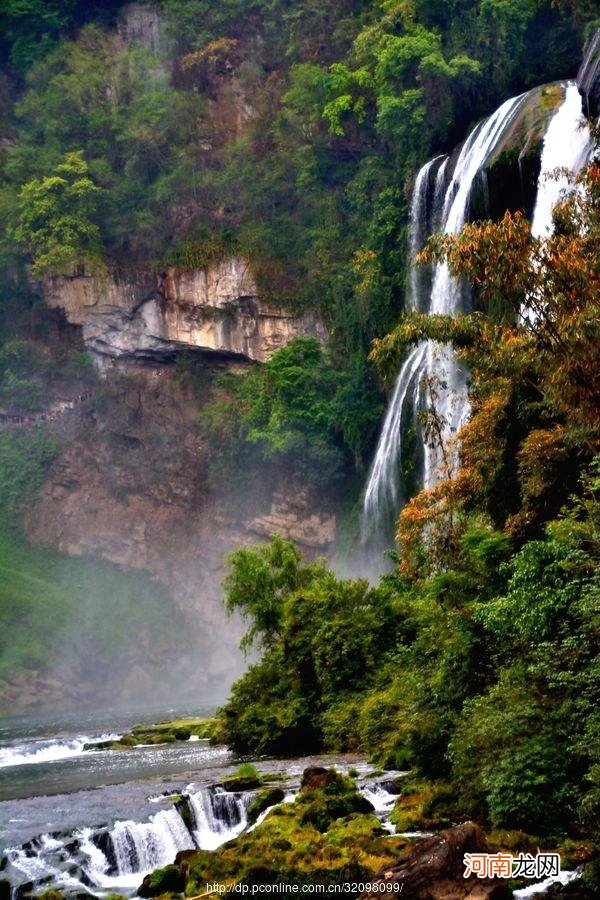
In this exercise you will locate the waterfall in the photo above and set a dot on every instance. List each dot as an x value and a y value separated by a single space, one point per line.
116 859
431 387
219 816
567 145
141 847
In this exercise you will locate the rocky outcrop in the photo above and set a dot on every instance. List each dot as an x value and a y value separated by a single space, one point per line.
588 78
294 517
433 870
148 318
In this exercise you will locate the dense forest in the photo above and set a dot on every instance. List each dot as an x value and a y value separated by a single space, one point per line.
474 661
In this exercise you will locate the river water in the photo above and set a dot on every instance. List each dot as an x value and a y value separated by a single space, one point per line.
96 822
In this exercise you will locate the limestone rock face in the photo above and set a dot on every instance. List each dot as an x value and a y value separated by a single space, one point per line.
137 483
149 318
588 78
142 23
295 518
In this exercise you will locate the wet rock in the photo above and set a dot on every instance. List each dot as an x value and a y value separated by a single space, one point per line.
262 801
588 77
164 881
315 778
183 807
434 869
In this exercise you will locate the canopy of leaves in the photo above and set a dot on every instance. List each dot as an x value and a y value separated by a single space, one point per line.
55 222
299 408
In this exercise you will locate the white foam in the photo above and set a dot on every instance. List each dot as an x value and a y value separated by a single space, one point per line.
47 751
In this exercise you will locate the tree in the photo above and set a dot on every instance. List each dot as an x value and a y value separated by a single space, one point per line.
535 391
259 581
56 215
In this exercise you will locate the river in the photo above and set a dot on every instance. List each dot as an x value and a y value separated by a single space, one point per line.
96 821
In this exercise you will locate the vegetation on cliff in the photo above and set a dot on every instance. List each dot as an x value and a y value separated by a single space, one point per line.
290 133
287 133
477 660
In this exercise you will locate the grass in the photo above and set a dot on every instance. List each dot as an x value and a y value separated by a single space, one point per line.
165 732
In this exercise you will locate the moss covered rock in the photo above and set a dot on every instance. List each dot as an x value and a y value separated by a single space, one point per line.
262 801
326 836
247 778
169 880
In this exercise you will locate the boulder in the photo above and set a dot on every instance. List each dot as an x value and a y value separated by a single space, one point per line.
262 801
315 778
434 869
168 880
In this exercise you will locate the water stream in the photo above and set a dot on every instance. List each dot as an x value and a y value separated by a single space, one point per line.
431 390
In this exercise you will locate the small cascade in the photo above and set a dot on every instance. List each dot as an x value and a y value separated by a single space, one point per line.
423 220
568 146
380 797
116 859
431 388
141 847
219 816
42 750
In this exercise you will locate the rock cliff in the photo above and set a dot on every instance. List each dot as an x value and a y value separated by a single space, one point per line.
137 484
588 78
149 318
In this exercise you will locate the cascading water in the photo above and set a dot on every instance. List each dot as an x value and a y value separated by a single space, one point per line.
218 817
567 145
432 384
431 388
115 860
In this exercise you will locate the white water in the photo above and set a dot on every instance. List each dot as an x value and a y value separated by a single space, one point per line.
219 817
432 384
108 861
46 751
539 889
381 799
567 146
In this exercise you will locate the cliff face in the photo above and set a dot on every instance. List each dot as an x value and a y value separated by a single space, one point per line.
588 78
137 484
149 318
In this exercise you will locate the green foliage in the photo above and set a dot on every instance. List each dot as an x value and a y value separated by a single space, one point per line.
76 613
301 410
304 617
55 218
24 458
30 28
485 673
114 105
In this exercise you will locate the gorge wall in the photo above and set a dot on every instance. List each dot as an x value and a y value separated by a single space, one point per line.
137 483
146 317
